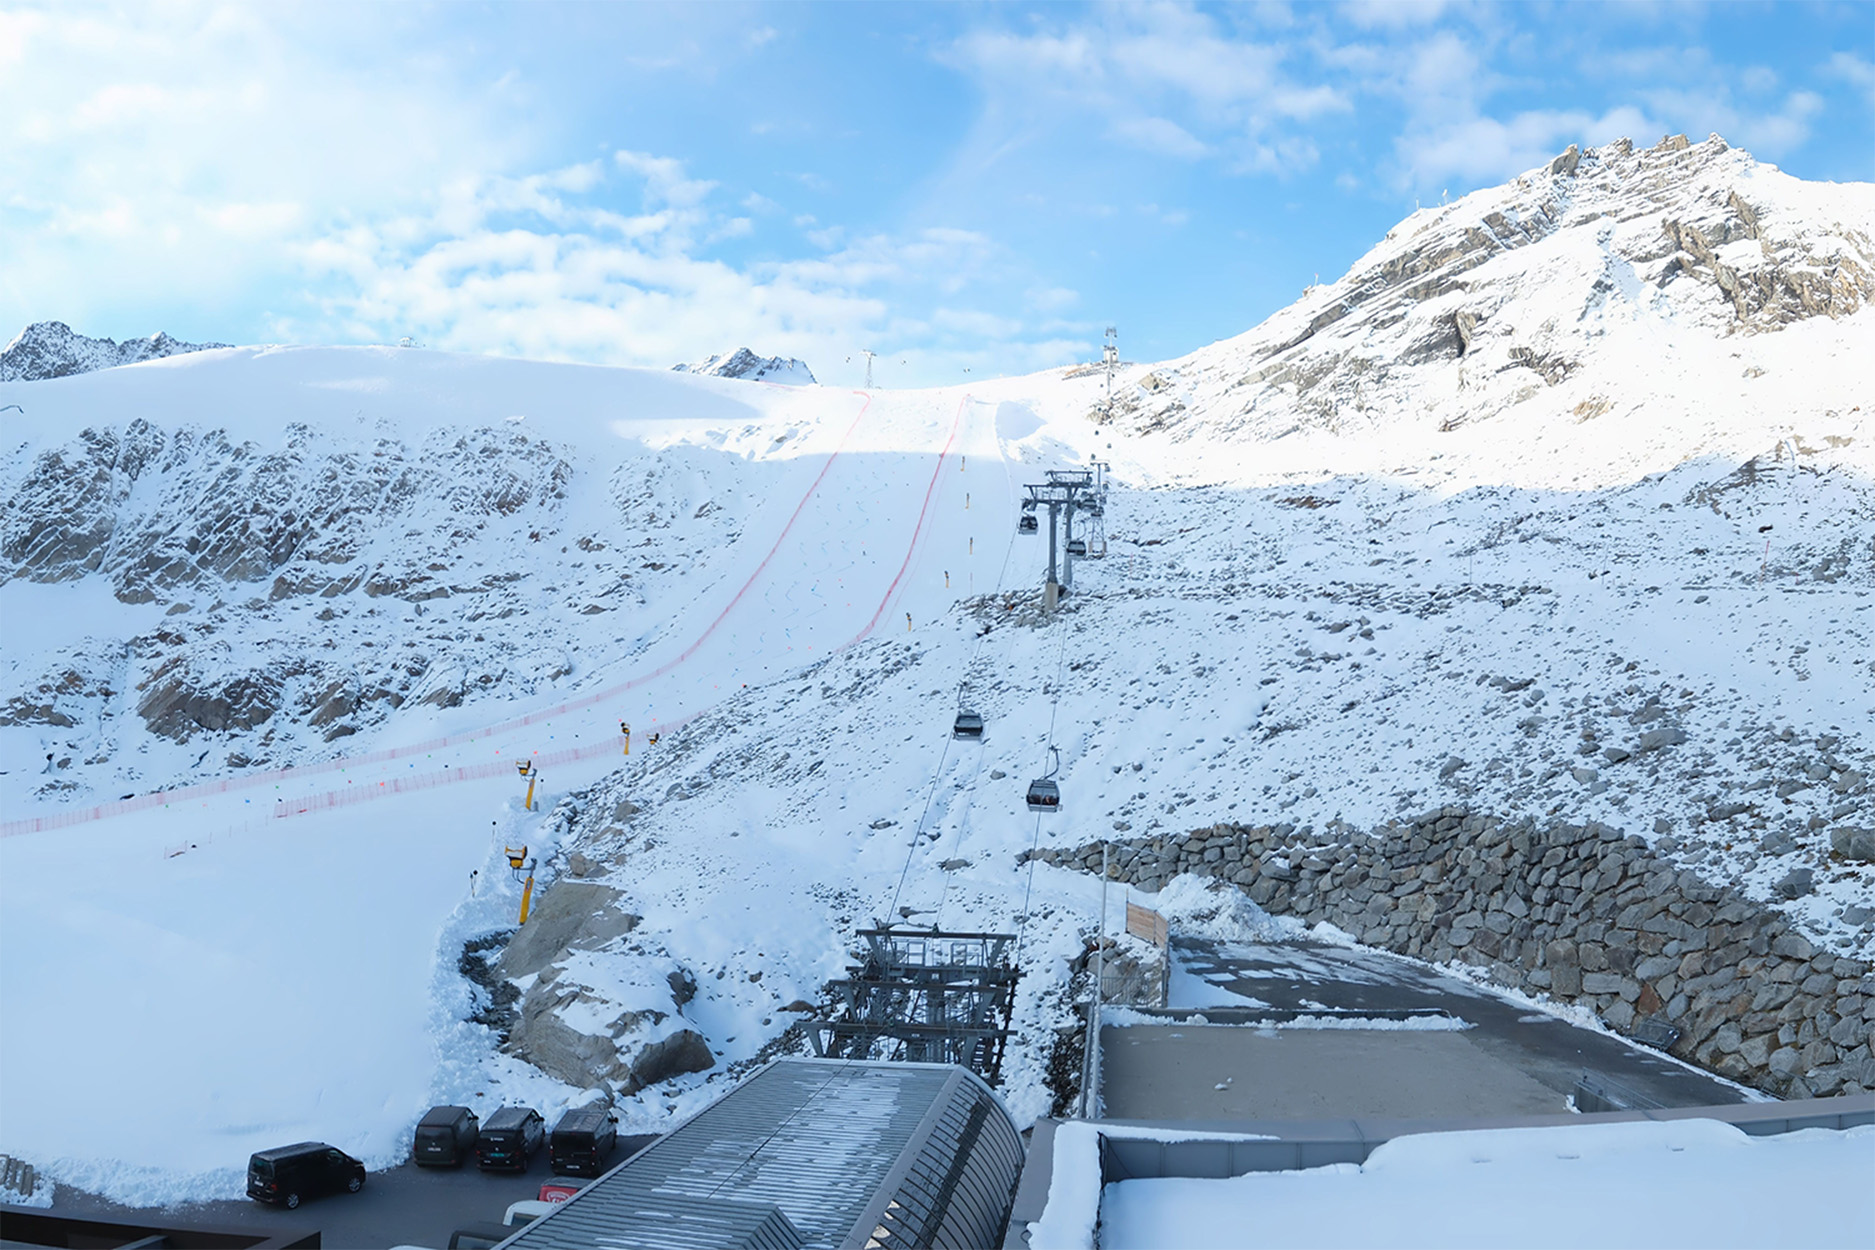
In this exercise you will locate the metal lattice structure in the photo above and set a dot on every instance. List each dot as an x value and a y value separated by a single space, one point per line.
925 996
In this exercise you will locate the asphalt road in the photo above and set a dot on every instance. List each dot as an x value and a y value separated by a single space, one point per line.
1513 1060
405 1206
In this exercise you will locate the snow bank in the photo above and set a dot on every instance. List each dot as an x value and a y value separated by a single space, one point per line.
1698 1184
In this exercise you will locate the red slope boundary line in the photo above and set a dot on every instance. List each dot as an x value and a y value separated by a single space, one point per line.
164 798
957 423
366 793
425 781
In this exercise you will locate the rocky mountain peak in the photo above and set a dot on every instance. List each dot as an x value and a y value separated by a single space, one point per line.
52 349
745 364
1474 307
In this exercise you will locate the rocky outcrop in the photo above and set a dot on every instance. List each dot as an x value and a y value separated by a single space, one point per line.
208 512
580 1032
1578 912
745 364
572 912
178 704
50 349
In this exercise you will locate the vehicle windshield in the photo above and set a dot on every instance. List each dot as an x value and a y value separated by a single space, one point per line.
260 1167
435 1135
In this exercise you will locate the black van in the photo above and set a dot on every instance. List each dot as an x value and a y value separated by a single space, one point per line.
445 1137
508 1141
286 1174
582 1141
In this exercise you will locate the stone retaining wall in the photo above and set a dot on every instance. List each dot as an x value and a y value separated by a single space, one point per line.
1578 912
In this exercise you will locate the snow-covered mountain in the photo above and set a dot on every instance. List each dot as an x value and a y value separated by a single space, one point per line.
50 349
1560 507
745 364
1592 286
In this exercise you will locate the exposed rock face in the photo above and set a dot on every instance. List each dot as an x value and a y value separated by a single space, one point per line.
189 518
178 703
73 691
572 911
1578 912
745 364
159 511
50 349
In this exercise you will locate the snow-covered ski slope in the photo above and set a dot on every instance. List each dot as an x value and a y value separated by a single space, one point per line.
324 599
270 938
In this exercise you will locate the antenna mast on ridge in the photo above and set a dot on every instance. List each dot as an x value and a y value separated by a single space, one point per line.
1110 356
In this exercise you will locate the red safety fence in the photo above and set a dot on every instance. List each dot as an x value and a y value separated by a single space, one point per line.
365 792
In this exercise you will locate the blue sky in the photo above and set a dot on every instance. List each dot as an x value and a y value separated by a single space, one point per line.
957 186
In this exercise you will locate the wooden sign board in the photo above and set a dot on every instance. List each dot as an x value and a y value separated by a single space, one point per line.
1143 922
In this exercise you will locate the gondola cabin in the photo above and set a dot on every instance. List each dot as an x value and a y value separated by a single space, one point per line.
967 725
1077 546
1027 524
1044 796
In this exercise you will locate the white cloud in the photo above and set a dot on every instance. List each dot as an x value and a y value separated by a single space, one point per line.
1156 134
1710 109
1165 79
1758 79
1164 216
1855 71
1478 151
1051 299
664 179
527 266
1394 14
158 150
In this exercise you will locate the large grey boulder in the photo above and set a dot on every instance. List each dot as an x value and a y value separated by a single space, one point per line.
1666 736
1851 842
1796 883
682 1052
581 915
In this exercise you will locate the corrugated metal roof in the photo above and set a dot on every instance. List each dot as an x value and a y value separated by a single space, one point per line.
632 1220
851 1153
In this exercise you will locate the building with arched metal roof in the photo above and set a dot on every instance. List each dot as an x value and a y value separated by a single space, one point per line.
817 1153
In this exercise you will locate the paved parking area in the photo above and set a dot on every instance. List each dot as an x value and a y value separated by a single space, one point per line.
405 1206
1514 1060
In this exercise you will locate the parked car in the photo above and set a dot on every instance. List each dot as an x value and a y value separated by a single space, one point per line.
582 1142
526 1211
288 1174
445 1137
509 1139
483 1236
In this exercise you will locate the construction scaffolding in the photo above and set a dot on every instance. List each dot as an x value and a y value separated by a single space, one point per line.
925 996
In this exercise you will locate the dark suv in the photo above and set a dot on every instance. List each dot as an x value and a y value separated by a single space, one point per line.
445 1137
509 1139
286 1174
582 1141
